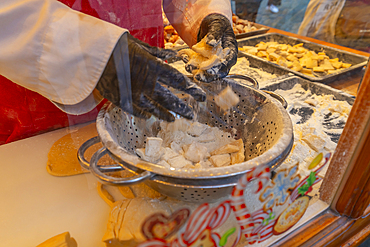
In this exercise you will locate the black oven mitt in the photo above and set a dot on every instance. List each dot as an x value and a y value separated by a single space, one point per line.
137 79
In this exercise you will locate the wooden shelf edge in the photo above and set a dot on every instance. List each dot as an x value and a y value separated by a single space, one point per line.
330 230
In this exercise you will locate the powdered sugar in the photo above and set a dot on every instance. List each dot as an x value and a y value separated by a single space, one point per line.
313 115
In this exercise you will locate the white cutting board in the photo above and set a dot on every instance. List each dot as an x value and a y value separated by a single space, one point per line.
35 206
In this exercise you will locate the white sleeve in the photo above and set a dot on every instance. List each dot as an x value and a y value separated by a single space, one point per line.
49 48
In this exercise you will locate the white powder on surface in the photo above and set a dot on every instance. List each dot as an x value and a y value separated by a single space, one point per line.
327 120
242 67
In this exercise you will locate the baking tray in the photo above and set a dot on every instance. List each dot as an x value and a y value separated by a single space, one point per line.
318 89
261 30
357 61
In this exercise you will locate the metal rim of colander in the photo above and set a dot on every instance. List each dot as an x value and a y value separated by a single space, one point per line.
271 158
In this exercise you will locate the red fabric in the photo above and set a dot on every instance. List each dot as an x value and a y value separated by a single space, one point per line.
24 113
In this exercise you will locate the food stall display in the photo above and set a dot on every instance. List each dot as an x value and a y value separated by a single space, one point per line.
244 28
310 60
172 38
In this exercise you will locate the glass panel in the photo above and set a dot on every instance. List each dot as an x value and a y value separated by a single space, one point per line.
220 139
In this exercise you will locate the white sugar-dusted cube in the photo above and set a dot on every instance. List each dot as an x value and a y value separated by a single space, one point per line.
169 153
153 146
163 163
207 136
175 147
307 131
179 162
196 152
220 160
196 129
141 153
315 142
188 166
226 99
226 149
205 163
153 159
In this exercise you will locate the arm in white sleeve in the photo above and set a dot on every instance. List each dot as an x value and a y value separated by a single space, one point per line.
51 49
186 16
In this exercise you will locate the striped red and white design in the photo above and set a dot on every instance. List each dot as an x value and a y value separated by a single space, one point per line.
294 195
204 217
245 220
264 231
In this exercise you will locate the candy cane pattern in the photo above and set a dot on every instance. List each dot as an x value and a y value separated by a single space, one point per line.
294 195
264 231
242 214
204 217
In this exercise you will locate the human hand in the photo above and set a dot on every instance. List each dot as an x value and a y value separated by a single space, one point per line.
135 78
217 28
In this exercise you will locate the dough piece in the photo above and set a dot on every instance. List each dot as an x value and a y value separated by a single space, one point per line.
163 163
212 61
207 136
326 65
196 129
315 142
205 163
196 152
179 162
227 149
153 146
226 99
346 65
62 156
153 159
62 240
318 69
239 156
206 50
312 102
220 160
168 154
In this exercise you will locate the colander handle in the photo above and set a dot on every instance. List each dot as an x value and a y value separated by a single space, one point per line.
85 164
114 180
99 171
246 78
278 97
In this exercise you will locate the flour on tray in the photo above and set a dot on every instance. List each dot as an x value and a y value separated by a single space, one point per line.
242 67
318 121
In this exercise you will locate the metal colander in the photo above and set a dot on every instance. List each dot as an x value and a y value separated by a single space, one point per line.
259 119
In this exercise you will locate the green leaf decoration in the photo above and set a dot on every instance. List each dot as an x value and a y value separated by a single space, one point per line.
310 181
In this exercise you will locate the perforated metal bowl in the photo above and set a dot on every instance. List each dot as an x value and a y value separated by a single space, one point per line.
260 120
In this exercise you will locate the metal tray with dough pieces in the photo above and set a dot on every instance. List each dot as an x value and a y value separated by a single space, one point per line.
358 62
261 30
